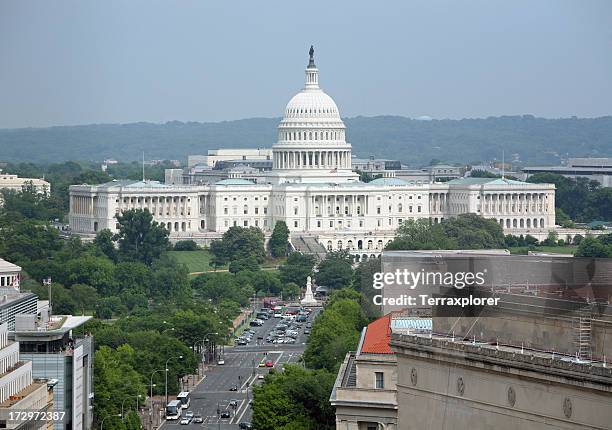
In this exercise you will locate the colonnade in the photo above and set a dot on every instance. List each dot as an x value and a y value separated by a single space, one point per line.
287 159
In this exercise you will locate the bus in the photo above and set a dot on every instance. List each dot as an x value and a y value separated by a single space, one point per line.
184 398
173 410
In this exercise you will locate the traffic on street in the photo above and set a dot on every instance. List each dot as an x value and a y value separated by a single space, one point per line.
223 399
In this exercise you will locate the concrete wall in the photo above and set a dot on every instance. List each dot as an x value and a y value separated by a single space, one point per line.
441 389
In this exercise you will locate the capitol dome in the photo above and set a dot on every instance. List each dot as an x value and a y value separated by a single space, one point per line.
311 135
312 104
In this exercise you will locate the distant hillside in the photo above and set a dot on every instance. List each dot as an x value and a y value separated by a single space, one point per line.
415 142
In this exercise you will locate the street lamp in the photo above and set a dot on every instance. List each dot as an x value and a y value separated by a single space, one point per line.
102 422
152 385
123 403
171 358
207 340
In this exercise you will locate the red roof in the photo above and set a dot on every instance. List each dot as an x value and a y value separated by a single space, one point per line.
378 336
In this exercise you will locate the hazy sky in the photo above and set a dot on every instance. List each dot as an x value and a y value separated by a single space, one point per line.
80 62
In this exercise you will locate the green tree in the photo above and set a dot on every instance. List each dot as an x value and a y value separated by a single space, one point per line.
139 237
562 219
279 241
593 247
115 381
238 243
297 268
420 234
85 296
186 245
363 283
336 271
294 399
291 290
244 264
335 331
551 239
105 244
90 270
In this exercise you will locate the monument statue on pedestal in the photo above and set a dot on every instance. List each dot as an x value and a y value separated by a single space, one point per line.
309 299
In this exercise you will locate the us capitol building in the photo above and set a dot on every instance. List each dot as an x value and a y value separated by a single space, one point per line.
313 188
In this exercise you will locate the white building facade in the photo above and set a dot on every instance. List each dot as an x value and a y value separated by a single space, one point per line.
313 188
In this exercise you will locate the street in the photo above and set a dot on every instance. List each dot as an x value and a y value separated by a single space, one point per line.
241 370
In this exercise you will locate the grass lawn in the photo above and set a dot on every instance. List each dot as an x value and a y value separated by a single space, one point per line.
553 249
196 261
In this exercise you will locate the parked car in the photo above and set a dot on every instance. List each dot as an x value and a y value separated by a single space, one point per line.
185 421
197 418
234 388
245 426
269 363
221 362
225 414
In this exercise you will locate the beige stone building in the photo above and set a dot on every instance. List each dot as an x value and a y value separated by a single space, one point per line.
15 183
365 394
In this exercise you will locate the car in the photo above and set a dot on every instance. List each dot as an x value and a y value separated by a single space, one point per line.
245 426
197 418
221 362
278 315
308 325
189 414
225 414
262 364
269 363
233 403
290 340
234 388
260 376
185 421
307 331
241 342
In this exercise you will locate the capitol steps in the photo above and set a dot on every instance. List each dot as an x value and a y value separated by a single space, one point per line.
308 245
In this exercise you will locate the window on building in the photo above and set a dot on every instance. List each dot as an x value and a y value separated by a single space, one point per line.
378 210
379 380
295 224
